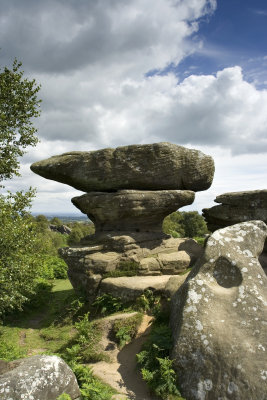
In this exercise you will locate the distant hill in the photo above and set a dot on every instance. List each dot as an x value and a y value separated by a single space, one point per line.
65 218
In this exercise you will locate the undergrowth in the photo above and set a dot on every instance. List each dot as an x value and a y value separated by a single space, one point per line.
125 268
126 329
85 344
155 364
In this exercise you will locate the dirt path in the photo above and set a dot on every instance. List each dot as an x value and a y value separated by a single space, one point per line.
122 373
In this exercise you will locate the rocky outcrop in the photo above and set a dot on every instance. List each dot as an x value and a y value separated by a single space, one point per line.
131 190
63 229
132 210
142 167
219 319
88 265
238 207
38 377
128 288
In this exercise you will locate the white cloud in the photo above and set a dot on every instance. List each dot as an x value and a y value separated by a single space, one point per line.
92 61
220 110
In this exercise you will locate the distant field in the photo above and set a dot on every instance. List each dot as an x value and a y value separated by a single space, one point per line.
65 218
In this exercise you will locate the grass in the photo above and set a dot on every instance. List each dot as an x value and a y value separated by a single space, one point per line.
37 331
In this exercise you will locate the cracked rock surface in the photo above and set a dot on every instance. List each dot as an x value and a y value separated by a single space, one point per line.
143 167
219 319
39 377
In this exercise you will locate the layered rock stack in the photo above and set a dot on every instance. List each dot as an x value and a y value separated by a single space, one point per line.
238 207
129 191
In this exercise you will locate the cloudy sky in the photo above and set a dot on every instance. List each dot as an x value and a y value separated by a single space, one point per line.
118 72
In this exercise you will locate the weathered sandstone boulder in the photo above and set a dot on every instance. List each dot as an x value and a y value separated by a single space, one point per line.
88 265
142 167
37 378
128 288
219 319
131 210
236 207
239 207
63 229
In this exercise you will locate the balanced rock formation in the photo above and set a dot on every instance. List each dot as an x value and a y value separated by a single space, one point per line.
219 319
238 207
131 210
38 377
143 167
130 190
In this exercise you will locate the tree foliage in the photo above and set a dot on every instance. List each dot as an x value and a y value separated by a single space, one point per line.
19 262
185 224
18 106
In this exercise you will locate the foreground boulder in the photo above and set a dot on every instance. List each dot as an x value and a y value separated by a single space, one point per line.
219 319
143 167
37 378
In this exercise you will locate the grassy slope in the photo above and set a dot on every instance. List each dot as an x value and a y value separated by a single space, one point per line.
34 332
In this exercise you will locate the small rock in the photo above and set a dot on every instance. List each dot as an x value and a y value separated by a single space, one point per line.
38 378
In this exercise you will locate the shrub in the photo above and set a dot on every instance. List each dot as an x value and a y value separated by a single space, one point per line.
156 367
107 304
64 396
126 329
148 302
91 387
125 268
42 293
54 267
10 351
85 347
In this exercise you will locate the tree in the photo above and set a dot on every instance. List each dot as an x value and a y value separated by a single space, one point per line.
185 224
19 262
194 224
18 106
56 221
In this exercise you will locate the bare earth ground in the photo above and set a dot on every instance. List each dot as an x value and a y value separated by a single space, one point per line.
122 373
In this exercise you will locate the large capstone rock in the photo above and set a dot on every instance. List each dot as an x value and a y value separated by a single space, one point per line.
37 378
132 210
143 167
219 319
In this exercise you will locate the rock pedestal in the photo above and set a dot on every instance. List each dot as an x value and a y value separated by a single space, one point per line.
238 207
219 319
130 190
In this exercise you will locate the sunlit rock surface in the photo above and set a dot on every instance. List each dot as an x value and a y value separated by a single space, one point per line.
40 377
239 207
219 319
142 167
